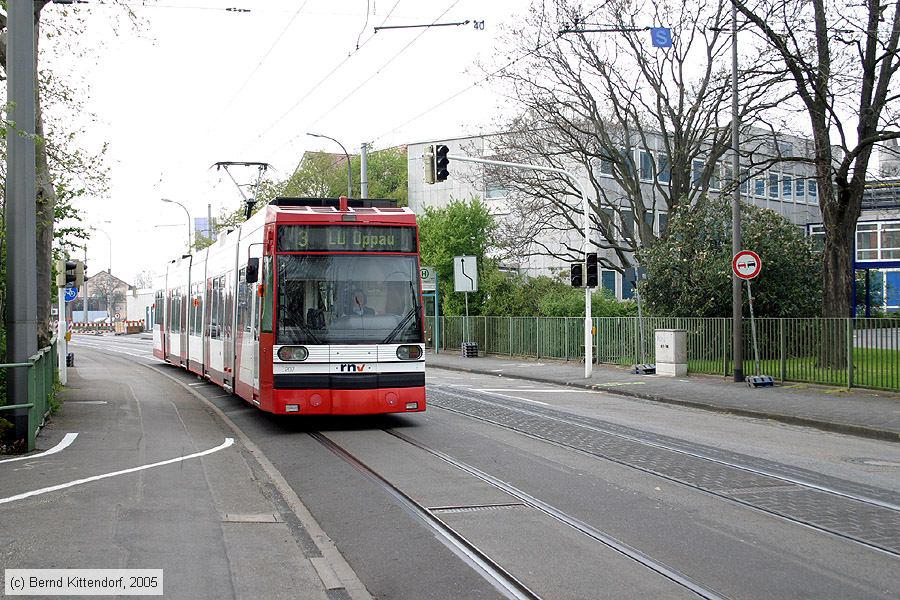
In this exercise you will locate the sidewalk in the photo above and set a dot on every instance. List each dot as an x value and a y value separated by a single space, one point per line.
156 480
866 413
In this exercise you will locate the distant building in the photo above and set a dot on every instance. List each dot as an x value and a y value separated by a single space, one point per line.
107 298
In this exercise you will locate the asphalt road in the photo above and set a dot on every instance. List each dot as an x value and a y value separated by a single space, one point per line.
505 488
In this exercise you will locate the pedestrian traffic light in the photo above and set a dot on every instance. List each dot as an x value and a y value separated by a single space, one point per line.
441 162
575 275
69 273
591 271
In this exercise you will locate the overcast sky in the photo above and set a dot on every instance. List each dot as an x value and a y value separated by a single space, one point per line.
196 84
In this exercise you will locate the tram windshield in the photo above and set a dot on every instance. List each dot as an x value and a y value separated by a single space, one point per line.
348 299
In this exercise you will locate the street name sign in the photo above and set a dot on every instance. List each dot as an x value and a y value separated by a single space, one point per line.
746 264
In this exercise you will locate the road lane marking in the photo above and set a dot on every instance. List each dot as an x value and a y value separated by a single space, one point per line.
513 397
228 442
86 402
62 445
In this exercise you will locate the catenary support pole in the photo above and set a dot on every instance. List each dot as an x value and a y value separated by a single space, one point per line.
363 171
21 257
737 340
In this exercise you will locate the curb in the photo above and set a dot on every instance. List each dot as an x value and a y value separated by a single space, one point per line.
830 426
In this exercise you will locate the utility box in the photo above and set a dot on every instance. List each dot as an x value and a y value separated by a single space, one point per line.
671 352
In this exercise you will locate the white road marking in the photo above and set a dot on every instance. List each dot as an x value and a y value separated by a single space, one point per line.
86 402
228 442
62 445
513 397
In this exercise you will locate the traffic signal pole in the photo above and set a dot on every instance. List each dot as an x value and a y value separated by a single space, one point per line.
586 209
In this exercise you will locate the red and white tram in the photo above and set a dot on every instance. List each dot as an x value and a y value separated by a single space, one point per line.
312 306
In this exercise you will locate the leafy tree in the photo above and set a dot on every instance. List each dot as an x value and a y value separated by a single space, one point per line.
843 62
589 101
324 175
689 272
460 228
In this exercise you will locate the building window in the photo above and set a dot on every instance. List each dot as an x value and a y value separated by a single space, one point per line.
606 166
494 191
759 187
817 235
867 241
890 240
646 166
800 190
608 280
773 185
665 170
662 222
627 228
787 187
697 172
812 190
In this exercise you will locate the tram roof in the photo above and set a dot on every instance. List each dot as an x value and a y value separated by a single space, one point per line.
369 210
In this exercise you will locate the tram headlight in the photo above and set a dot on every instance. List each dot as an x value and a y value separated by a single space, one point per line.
409 352
293 353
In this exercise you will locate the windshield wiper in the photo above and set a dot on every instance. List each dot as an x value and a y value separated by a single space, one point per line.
401 325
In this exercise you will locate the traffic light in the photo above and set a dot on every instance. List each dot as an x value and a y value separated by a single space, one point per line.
428 164
575 275
591 275
69 273
441 162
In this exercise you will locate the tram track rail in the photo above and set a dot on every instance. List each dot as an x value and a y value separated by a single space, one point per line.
766 481
469 552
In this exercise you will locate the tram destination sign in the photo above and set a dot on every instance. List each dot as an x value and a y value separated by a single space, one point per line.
346 238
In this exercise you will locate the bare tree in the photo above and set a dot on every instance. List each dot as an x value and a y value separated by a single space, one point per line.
591 99
842 58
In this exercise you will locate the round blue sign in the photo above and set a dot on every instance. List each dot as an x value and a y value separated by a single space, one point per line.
71 294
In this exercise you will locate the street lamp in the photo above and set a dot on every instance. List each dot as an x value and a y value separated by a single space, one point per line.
188 217
349 168
108 239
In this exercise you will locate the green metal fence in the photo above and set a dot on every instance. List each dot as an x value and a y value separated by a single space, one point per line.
845 352
41 380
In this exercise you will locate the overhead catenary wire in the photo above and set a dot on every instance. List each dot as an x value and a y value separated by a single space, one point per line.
486 78
371 77
319 83
266 55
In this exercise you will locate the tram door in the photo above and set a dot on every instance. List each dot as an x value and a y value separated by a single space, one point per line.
254 327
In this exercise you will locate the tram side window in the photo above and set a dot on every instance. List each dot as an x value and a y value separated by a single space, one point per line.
174 320
268 299
243 302
215 323
226 309
158 308
196 310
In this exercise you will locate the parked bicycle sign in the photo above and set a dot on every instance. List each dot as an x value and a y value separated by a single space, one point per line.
746 264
